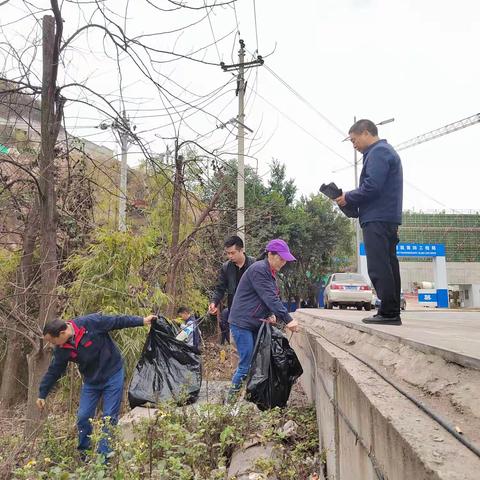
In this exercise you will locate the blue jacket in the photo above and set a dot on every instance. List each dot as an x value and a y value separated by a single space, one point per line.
380 194
257 297
96 354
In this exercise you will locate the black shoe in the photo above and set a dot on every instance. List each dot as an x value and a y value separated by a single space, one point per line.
381 320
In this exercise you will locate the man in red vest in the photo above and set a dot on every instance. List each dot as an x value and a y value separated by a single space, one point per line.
86 342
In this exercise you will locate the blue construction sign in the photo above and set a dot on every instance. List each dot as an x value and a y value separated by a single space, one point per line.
416 249
427 297
420 250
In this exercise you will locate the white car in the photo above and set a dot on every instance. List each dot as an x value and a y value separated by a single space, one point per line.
348 290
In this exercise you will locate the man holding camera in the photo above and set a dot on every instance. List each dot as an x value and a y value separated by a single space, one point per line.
379 201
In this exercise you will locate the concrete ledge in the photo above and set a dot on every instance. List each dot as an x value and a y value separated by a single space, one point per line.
404 336
368 430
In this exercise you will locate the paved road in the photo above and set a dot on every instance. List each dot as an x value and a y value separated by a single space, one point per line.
455 335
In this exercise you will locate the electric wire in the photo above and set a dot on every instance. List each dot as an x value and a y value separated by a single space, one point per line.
236 18
323 144
211 29
305 101
255 19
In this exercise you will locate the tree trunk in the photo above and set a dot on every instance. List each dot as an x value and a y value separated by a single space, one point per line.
11 388
181 249
51 116
38 360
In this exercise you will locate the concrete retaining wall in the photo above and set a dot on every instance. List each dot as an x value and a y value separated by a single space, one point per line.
368 430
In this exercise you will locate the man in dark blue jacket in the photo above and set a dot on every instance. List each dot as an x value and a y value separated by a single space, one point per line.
86 342
379 201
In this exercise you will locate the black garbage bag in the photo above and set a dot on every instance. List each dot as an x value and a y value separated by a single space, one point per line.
274 369
167 369
163 325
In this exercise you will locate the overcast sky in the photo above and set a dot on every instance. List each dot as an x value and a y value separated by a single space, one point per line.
416 61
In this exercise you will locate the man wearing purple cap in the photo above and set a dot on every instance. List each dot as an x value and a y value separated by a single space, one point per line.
257 300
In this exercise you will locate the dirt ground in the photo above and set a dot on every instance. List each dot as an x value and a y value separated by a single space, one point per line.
218 365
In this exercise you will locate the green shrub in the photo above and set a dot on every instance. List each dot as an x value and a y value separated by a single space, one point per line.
184 443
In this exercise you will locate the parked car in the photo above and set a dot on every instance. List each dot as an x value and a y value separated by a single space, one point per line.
348 290
403 302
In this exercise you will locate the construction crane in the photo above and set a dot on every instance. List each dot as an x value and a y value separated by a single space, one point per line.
439 132
432 135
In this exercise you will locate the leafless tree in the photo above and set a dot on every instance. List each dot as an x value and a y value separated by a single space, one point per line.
23 78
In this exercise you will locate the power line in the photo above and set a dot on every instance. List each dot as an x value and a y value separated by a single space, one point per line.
211 29
411 185
304 130
255 18
292 90
236 18
306 102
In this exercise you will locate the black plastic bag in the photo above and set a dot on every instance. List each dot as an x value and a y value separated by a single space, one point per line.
167 369
163 325
274 369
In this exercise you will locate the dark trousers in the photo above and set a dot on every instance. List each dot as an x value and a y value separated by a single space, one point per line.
225 332
380 239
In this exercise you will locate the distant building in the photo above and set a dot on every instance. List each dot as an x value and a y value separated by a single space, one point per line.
460 233
20 135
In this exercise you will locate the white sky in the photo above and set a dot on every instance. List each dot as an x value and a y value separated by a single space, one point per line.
416 61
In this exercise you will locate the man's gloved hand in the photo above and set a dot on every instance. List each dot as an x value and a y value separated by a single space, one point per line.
40 403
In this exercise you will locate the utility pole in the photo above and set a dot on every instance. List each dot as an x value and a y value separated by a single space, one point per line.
241 144
240 121
122 202
356 220
121 126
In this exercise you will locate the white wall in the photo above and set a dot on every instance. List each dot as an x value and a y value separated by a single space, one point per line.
475 295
